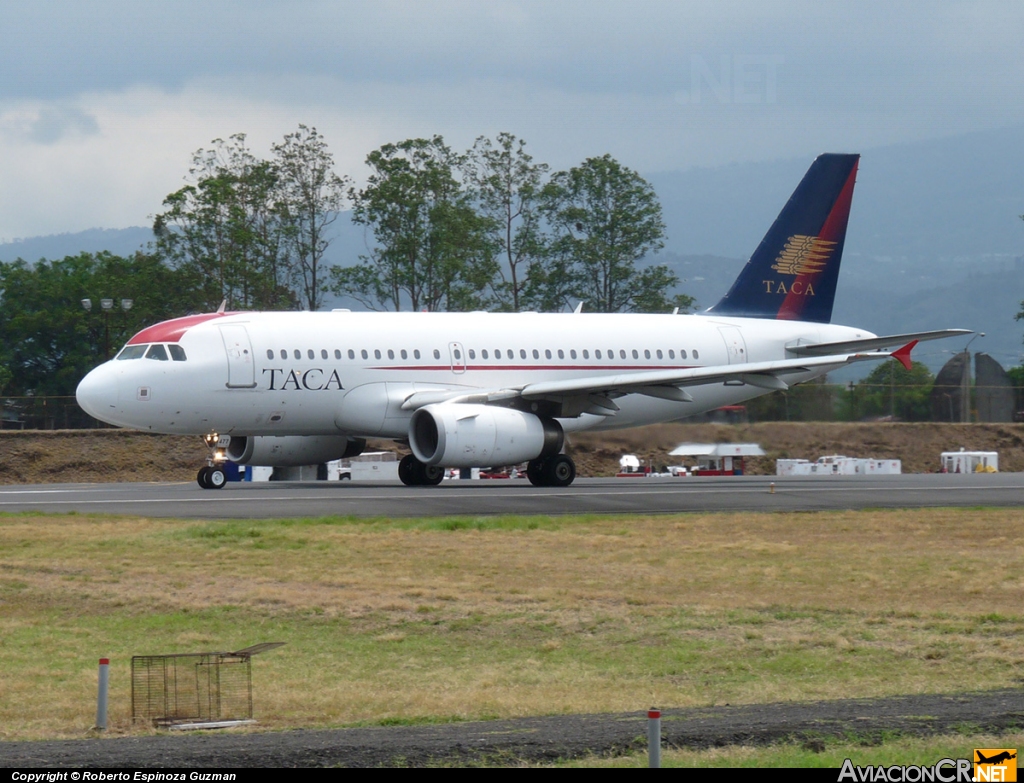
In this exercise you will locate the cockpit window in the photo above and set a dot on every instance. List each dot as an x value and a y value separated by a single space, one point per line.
132 352
157 352
177 353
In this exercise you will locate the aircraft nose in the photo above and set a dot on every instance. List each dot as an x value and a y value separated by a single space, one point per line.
97 393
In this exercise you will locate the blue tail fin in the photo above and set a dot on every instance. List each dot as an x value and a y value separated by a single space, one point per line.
792 275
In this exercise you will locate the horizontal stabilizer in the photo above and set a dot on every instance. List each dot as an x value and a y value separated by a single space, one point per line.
872 343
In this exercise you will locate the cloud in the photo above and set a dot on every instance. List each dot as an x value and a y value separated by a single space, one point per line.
47 123
102 103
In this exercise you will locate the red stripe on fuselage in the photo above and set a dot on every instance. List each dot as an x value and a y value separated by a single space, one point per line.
171 331
833 230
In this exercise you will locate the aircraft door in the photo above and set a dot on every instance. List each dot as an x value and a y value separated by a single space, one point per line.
458 357
241 367
735 347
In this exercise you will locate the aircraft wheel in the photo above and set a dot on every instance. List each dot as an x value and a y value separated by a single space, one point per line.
535 472
216 478
432 475
407 470
560 471
202 477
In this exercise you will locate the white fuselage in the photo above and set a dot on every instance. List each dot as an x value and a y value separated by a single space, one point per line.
344 373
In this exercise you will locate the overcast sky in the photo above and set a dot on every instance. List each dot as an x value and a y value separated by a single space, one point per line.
102 102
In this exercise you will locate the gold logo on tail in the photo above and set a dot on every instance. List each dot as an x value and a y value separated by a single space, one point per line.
803 255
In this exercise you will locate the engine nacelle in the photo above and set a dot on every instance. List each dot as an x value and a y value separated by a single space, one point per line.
291 450
473 436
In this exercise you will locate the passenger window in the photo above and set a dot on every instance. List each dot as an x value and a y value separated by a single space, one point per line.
270 354
536 354
437 354
416 353
364 354
635 354
178 353
695 354
351 354
597 354
682 354
337 354
284 354
376 353
522 353
405 354
157 352
572 353
310 354
671 353
298 355
647 354
472 353
132 352
561 354
391 354
622 354
547 353
323 353
483 354
586 354
659 353
458 354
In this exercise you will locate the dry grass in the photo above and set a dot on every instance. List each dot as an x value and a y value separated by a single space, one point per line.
445 619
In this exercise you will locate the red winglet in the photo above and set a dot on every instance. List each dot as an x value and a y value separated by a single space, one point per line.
903 354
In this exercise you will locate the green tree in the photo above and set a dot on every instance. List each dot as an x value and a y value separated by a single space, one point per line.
507 188
432 248
224 231
605 218
309 197
48 341
890 389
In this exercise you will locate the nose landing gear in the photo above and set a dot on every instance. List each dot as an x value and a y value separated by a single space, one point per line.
212 475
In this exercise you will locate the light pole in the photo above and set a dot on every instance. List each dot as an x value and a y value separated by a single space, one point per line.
106 305
965 382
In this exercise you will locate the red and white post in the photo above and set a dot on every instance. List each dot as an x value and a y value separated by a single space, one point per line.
101 696
654 738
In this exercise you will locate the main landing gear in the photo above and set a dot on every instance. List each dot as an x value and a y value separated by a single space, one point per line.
555 471
414 473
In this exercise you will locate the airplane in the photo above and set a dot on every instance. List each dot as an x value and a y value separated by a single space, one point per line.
996 759
480 389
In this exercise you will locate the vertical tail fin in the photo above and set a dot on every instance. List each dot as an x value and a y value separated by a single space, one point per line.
792 275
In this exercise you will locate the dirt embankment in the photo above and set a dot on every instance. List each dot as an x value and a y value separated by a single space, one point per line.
917 445
63 456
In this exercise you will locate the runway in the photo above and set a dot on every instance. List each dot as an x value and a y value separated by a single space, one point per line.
474 498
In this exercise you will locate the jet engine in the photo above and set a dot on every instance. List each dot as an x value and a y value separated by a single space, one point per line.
291 450
466 436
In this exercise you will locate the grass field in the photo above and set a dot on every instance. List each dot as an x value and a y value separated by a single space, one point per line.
390 621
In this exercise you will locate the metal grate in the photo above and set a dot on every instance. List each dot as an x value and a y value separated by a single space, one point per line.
194 687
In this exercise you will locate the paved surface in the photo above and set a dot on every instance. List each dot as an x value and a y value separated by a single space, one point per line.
602 496
538 739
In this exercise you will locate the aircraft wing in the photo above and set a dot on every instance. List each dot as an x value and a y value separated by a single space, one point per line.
873 343
599 390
